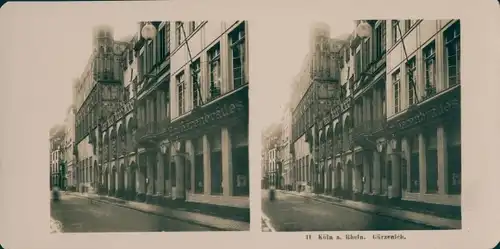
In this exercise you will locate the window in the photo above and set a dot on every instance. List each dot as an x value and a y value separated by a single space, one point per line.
161 44
380 40
412 79
366 54
192 26
167 38
181 88
407 25
395 31
149 57
195 79
126 93
357 61
130 56
237 39
430 68
178 31
452 43
214 68
142 65
396 76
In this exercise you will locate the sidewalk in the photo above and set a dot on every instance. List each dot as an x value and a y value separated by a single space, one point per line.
415 217
175 213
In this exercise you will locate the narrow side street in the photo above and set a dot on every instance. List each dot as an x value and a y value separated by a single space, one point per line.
78 214
295 213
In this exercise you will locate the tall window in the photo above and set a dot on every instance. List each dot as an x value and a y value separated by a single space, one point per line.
452 43
395 31
430 68
237 39
407 25
380 40
347 54
178 32
150 57
366 54
214 68
192 26
142 65
412 79
195 79
181 88
167 38
396 76
357 61
161 43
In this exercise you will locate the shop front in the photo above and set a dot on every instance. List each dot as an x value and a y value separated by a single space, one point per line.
204 155
424 152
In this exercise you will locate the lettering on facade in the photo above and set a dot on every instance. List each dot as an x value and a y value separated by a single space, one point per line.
339 109
219 113
119 113
429 114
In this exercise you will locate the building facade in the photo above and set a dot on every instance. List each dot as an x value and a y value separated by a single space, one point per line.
285 151
56 149
192 112
317 92
272 167
394 134
69 139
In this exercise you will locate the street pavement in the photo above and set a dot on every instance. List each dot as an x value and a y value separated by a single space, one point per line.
78 214
296 213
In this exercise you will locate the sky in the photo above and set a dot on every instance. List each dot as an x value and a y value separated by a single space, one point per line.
277 52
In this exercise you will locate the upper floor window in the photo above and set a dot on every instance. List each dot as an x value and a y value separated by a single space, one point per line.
237 39
452 43
178 32
430 68
130 56
142 65
150 57
181 88
192 26
161 44
357 61
407 25
395 31
380 39
366 54
396 76
195 79
214 69
412 80
167 38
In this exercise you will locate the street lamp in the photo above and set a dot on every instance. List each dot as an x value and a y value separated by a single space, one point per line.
148 31
364 30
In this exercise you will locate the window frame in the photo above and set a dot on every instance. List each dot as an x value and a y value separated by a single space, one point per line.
427 58
181 89
237 40
214 66
455 41
195 69
396 82
412 65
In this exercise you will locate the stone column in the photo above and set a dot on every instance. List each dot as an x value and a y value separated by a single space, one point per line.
396 174
227 162
376 173
190 150
179 177
442 160
160 183
206 166
422 149
150 177
366 173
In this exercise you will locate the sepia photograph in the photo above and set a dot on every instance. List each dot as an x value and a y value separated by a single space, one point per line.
153 134
367 129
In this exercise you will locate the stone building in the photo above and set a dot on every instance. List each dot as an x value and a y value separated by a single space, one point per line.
192 113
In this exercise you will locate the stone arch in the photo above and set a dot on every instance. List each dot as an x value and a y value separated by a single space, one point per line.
131 124
348 122
338 129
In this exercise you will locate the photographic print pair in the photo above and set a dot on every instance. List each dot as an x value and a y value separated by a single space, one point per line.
364 134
